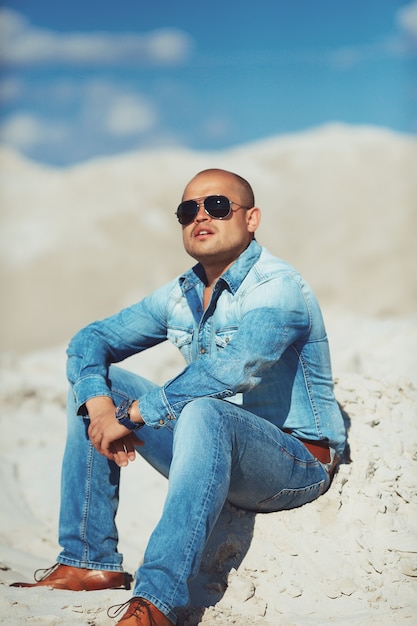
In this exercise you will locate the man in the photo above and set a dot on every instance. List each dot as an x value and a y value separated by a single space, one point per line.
251 419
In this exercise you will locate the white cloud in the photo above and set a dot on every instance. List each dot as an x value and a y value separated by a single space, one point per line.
129 115
114 109
23 43
168 45
105 110
407 19
24 131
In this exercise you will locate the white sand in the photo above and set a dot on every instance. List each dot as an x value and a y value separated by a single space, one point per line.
341 204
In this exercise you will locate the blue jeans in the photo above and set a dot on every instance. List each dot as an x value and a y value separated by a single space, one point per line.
215 451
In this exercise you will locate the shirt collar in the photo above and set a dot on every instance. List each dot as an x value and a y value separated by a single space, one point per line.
233 277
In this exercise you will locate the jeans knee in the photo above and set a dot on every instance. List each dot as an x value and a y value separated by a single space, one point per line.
202 413
201 431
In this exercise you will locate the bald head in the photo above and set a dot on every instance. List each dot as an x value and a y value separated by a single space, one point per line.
242 188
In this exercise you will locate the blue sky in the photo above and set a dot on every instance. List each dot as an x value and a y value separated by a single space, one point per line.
86 78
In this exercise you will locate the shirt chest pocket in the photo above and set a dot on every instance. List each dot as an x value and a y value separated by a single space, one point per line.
182 338
223 336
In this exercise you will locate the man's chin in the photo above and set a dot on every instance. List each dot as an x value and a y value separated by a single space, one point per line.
201 253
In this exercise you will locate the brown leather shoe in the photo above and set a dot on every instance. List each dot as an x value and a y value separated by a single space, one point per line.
78 579
140 612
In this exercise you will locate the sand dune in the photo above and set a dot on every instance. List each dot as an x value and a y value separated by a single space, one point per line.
339 203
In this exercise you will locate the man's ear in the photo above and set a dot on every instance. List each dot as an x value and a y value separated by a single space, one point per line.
253 218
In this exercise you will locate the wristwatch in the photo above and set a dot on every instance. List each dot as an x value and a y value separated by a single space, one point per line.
122 416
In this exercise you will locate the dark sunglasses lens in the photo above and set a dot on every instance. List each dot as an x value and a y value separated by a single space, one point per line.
217 206
187 211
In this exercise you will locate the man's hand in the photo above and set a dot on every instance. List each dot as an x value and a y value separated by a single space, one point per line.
110 438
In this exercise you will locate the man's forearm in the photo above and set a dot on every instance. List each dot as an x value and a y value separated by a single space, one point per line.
100 406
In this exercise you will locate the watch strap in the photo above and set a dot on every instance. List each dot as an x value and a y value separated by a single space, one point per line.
122 416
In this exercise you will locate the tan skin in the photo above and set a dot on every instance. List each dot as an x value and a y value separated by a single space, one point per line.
216 244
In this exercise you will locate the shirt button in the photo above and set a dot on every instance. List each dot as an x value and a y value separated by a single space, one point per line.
203 350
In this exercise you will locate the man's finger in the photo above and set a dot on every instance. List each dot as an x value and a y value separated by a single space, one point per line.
129 447
118 451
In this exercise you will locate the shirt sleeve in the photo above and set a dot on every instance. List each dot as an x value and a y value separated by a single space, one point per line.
95 347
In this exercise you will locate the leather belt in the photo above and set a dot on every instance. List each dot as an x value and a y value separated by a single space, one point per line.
319 449
320 452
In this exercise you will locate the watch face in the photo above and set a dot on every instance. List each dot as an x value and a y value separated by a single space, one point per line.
122 415
123 409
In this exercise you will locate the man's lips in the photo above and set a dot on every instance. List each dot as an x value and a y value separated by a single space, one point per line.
202 232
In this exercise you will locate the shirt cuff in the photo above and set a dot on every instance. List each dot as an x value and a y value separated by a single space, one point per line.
89 387
155 408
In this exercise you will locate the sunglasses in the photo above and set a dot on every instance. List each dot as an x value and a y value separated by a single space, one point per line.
218 207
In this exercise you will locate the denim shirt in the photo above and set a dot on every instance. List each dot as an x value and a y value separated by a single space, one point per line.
261 342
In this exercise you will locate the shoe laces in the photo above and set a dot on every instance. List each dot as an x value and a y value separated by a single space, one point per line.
41 574
141 607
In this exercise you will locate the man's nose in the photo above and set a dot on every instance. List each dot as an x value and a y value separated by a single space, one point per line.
201 213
